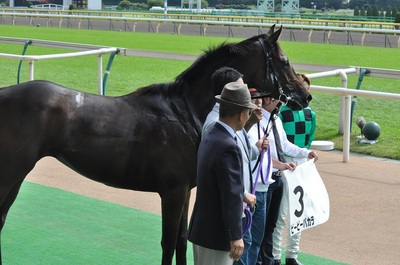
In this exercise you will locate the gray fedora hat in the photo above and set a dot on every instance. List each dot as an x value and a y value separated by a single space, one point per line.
235 93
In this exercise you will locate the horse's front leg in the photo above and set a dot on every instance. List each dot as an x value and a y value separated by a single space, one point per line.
181 244
172 204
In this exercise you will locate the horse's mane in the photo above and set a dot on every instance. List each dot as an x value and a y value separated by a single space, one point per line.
205 65
211 58
157 89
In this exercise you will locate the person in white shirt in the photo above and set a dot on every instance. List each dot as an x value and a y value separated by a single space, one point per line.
261 179
275 190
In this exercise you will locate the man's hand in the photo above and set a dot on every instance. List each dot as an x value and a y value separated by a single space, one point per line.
256 116
263 143
312 155
283 166
290 166
237 247
250 200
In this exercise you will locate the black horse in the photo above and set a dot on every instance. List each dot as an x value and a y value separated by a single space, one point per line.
146 140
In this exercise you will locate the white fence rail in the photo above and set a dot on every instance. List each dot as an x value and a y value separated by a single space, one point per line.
204 23
32 58
345 93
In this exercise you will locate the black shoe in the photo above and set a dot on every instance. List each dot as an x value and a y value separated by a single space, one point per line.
277 262
293 262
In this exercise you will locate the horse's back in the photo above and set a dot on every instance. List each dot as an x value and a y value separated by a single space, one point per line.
33 89
31 98
33 114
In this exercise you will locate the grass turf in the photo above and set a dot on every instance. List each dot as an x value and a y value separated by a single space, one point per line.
51 226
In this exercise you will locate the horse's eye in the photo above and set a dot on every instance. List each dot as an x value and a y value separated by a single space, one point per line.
285 61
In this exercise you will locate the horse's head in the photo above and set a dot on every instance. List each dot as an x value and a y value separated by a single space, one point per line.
261 61
278 75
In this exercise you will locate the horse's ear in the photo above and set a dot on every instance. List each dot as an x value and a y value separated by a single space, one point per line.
275 35
271 30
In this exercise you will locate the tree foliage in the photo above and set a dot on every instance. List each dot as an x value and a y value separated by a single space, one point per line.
397 17
378 3
375 11
152 3
388 11
319 4
125 5
214 3
369 11
362 12
356 11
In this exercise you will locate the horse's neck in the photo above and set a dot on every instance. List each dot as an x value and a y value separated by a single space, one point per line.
201 99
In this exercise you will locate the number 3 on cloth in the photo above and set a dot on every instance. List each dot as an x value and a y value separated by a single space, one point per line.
308 198
299 190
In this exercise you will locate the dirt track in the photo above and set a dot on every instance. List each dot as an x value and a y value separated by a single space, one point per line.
364 196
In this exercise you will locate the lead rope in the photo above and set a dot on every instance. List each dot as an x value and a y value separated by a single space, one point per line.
247 211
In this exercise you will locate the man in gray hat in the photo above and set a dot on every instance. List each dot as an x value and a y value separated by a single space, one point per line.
216 224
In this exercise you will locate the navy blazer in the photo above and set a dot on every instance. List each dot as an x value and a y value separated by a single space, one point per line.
217 214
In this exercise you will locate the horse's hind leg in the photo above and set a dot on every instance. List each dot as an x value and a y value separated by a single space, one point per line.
7 198
0 250
7 201
172 204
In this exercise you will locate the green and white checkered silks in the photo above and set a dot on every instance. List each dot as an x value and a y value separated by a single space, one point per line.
299 125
